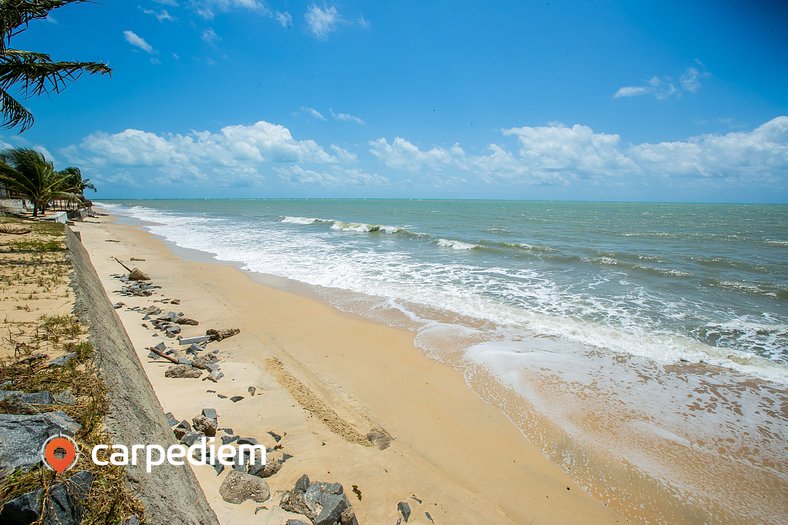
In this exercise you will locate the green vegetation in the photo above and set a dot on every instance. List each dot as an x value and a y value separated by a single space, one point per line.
28 174
109 499
33 73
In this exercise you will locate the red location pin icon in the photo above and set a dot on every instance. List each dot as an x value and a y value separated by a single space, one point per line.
59 453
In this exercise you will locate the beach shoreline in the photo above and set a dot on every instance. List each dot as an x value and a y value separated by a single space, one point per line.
451 450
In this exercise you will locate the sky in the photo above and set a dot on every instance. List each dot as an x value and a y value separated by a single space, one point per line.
597 100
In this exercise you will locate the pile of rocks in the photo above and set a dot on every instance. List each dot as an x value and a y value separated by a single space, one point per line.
21 437
322 503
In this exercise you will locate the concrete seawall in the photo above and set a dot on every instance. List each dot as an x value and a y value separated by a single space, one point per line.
171 495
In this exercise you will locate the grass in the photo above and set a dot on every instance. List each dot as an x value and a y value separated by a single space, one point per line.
43 265
37 246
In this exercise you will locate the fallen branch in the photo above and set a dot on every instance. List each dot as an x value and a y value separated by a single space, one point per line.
120 263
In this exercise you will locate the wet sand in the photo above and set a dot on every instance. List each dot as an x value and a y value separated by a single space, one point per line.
323 378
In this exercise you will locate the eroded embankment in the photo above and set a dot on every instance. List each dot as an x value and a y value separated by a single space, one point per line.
170 494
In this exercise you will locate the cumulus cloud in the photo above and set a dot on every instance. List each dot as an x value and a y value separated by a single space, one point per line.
331 177
559 155
137 41
663 87
232 154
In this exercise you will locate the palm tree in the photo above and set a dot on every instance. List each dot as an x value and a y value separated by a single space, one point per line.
29 174
33 73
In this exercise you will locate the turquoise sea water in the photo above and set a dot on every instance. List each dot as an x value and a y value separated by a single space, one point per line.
536 292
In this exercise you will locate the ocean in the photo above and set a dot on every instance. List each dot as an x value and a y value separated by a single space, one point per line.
652 338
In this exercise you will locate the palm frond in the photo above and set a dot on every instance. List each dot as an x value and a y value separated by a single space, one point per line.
15 15
14 113
37 73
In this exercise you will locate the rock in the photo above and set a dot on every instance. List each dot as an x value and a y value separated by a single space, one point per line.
235 399
238 487
192 340
173 330
22 436
247 441
187 321
63 360
380 438
210 413
404 509
190 438
63 505
251 390
152 310
273 464
132 520
322 503
33 398
296 522
276 436
184 361
171 421
138 275
65 398
215 375
218 335
205 425
182 428
427 515
175 301
182 371
226 440
161 347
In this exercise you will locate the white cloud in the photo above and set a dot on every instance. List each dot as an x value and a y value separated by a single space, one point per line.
333 176
137 41
208 8
210 36
234 153
172 3
161 16
322 21
347 117
559 155
312 112
630 91
663 87
285 19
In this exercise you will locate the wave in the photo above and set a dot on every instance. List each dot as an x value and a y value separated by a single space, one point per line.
775 242
455 245
360 227
302 220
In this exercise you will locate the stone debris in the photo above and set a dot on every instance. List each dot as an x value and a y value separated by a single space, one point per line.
63 506
32 398
22 436
138 275
404 509
322 503
194 340
182 371
235 399
238 487
218 335
187 321
205 425
182 428
63 360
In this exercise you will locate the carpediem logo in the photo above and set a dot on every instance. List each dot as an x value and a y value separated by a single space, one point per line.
60 453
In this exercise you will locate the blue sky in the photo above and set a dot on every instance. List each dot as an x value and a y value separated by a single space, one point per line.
678 101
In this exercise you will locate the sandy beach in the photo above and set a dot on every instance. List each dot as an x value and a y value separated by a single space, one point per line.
322 378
